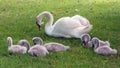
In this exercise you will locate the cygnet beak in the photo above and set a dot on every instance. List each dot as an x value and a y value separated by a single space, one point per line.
84 43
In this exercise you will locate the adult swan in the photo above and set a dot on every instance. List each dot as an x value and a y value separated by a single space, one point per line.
67 27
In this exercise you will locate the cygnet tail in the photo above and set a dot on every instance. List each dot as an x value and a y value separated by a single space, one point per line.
67 47
114 51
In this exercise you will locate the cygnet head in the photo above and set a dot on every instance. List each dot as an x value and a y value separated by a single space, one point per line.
85 39
9 39
95 42
24 43
37 40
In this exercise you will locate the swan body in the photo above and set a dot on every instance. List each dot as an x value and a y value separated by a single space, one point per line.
38 50
15 48
52 46
81 19
104 43
100 48
105 50
67 27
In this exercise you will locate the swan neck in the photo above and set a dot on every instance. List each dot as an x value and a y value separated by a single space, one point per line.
45 14
27 45
40 42
48 25
50 20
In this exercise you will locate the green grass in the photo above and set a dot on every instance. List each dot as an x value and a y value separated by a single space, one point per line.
17 19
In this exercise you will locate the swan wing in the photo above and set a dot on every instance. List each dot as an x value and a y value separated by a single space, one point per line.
82 20
67 23
104 50
68 27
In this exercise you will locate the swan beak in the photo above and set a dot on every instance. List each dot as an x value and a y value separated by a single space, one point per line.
39 26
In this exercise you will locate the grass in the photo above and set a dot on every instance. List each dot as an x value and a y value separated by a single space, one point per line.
17 19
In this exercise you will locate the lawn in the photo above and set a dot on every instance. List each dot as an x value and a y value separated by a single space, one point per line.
17 19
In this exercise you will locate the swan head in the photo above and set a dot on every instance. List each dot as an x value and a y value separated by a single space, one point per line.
85 39
95 42
37 40
38 23
41 16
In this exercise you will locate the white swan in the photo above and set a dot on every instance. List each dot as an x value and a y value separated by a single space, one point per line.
52 46
15 48
38 50
102 49
67 27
